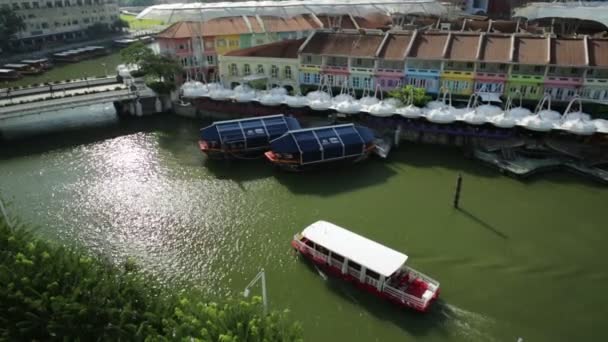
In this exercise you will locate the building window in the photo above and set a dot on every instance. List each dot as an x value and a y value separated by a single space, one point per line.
450 64
516 68
210 60
316 79
306 78
15 6
367 82
274 71
538 68
330 80
234 71
209 45
502 67
469 65
220 43
260 69
259 41
574 71
246 70
356 82
35 4
482 66
288 72
308 59
233 43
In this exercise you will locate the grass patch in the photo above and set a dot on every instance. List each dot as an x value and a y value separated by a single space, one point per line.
140 24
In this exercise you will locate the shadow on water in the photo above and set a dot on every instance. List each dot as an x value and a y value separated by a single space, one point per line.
446 157
239 170
409 320
327 182
482 223
74 136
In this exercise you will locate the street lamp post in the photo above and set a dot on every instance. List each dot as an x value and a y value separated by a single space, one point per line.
260 275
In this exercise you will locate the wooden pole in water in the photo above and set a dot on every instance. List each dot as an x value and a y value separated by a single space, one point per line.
457 193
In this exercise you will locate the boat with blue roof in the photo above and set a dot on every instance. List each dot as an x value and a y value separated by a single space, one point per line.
244 138
313 147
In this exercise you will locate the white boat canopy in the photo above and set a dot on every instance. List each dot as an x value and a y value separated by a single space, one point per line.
170 13
365 252
586 10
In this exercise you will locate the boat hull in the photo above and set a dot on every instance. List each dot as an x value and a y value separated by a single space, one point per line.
220 154
289 165
335 272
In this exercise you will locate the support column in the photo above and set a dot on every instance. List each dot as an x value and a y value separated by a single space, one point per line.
362 274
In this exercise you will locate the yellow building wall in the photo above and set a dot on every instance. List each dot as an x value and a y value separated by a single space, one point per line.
227 43
459 83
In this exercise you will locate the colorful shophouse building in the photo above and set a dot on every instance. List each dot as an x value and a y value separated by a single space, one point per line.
276 64
197 45
463 62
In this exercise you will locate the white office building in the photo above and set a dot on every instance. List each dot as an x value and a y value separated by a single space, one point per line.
59 20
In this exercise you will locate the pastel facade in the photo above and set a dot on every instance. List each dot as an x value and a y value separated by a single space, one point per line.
197 45
463 62
275 63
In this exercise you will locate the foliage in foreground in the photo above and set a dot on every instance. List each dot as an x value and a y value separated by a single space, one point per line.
50 292
418 96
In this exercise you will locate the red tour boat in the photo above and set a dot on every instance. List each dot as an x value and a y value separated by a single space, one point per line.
370 265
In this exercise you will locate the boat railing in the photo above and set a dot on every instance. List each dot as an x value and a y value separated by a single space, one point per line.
402 296
315 254
354 272
335 262
415 274
371 281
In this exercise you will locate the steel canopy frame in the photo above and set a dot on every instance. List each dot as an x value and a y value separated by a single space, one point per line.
170 13
585 10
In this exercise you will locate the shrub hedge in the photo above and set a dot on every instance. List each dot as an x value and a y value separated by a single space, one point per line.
50 292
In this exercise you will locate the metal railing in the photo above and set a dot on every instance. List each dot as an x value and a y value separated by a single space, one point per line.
402 296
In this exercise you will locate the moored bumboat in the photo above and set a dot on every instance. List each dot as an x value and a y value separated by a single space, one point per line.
244 137
312 147
370 265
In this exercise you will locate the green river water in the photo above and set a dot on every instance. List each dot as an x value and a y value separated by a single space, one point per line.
522 259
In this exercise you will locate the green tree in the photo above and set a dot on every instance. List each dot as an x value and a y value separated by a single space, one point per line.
136 54
10 23
161 67
418 96
120 24
53 293
97 30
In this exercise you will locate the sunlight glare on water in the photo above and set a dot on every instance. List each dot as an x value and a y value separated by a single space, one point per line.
521 258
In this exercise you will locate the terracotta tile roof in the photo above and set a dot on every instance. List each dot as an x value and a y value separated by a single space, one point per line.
395 46
297 23
214 27
463 47
530 50
428 45
504 26
598 52
496 48
374 21
344 44
238 25
282 49
568 52
476 25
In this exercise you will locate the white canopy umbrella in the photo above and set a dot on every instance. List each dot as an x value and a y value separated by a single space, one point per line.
170 13
585 10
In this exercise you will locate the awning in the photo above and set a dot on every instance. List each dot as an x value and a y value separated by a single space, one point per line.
254 77
171 13
490 97
586 10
